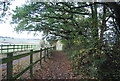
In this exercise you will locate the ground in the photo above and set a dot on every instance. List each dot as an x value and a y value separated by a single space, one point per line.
57 67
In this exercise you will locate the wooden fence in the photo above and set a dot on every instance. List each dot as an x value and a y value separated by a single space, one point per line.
10 58
13 48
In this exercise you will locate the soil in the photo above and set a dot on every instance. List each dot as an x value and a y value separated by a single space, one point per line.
57 67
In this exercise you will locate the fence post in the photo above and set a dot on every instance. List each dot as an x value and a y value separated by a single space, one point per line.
7 48
1 48
44 53
17 47
21 47
27 47
31 62
48 54
9 67
54 48
50 51
41 57
13 47
31 47
24 47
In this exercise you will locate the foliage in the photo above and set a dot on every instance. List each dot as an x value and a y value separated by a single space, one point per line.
83 29
4 9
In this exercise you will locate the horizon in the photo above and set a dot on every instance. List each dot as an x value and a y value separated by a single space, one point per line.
19 38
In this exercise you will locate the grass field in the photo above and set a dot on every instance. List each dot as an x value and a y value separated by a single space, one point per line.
8 40
23 45
18 44
5 48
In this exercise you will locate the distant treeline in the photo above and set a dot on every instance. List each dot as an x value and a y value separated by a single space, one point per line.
11 40
17 38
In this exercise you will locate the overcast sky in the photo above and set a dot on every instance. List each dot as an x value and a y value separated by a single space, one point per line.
7 30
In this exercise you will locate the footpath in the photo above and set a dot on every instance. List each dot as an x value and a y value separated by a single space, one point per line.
57 67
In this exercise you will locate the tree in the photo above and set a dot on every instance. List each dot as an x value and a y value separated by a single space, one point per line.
80 26
4 7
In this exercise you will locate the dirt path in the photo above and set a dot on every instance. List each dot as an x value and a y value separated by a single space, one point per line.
57 67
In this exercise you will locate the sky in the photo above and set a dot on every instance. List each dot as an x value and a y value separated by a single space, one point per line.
7 30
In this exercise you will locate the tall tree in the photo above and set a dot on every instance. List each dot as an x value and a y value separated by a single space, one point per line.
81 27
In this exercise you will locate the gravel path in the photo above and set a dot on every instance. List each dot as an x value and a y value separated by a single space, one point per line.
57 67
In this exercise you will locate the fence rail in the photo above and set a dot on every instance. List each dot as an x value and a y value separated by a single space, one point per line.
13 48
10 58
